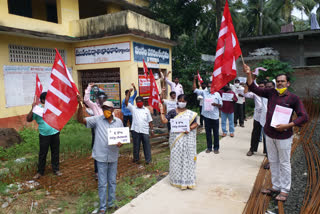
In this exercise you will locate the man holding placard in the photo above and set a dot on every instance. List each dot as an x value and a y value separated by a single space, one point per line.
278 130
238 107
210 111
104 151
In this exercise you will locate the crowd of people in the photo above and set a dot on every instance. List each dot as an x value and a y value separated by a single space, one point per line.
227 104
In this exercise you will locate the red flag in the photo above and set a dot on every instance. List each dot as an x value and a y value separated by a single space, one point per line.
199 78
228 51
61 100
145 69
154 98
38 90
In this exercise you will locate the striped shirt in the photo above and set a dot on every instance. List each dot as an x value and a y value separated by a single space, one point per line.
101 151
141 118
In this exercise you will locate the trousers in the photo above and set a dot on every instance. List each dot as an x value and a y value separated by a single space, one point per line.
52 141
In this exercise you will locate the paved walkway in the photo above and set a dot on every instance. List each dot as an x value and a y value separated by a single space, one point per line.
224 182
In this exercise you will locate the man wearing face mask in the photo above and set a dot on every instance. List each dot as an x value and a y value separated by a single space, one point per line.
238 107
279 138
210 111
106 155
141 121
227 109
48 137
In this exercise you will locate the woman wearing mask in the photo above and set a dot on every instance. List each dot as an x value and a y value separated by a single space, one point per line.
183 146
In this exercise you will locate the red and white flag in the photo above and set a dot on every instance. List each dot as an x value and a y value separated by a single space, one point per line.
228 51
199 78
145 69
38 90
154 98
61 100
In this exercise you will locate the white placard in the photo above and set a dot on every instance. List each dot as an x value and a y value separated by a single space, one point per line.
38 110
242 79
281 115
179 125
227 96
103 53
208 104
116 135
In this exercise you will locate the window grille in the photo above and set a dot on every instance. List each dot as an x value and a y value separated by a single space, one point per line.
25 54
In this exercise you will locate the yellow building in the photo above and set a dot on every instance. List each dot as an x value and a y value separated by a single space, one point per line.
101 41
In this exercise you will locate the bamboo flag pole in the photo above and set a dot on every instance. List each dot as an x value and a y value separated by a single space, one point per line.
242 59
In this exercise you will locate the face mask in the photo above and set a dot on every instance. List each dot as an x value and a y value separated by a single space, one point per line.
237 84
139 104
107 113
281 90
182 105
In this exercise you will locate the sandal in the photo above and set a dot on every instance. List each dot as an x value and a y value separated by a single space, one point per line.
270 192
282 197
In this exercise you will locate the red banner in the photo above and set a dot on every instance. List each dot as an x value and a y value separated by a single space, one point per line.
144 86
154 98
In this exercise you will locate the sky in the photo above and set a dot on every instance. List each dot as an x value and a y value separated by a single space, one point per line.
297 13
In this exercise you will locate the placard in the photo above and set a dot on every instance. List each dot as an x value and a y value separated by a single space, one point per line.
208 104
227 96
112 90
144 86
116 135
38 110
150 54
103 53
281 115
179 125
242 79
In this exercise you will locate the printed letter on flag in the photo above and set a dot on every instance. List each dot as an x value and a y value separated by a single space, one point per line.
199 78
154 98
228 51
61 100
38 90
145 69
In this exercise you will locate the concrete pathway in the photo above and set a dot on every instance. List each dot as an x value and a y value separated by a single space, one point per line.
224 182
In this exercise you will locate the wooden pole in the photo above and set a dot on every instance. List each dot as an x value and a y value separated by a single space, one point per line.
242 59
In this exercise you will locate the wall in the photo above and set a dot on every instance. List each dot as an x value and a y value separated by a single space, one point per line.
307 79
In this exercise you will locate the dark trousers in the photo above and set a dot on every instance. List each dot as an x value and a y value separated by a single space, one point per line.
212 125
137 139
201 117
52 141
126 119
238 114
244 110
255 136
264 143
92 143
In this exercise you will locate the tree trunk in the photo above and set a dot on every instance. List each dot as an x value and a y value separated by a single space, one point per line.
261 17
219 13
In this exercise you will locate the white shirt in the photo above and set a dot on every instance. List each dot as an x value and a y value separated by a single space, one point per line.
141 118
171 104
264 111
200 98
178 88
258 105
238 90
214 114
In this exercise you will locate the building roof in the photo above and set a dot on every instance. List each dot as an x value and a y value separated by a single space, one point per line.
282 35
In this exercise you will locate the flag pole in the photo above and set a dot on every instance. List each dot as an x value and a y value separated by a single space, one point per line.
242 59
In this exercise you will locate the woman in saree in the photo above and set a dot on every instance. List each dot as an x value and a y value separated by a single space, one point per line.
183 146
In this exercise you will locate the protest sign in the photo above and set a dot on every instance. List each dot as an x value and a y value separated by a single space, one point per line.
208 104
38 110
281 115
116 135
227 96
179 125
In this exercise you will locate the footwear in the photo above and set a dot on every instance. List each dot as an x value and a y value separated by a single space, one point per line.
102 212
235 125
216 152
242 125
208 151
96 176
57 173
270 192
250 153
266 166
224 134
112 208
282 197
231 135
37 176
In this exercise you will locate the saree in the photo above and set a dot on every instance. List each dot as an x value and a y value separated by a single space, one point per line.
183 155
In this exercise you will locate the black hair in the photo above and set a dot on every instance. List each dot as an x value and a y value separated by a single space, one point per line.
236 80
139 98
43 96
172 92
261 82
176 78
126 92
182 96
101 93
274 85
283 74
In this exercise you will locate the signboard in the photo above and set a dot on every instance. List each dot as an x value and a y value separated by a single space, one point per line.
20 83
103 53
227 96
242 79
179 125
144 86
150 54
112 90
116 135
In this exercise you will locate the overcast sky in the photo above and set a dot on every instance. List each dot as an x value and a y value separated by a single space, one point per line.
297 13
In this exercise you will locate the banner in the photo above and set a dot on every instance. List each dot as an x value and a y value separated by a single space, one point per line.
112 90
150 54
144 86
103 53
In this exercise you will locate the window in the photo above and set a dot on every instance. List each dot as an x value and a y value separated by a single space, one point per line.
313 61
45 10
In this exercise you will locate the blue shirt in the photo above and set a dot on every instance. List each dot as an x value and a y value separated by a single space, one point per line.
125 111
214 114
101 151
44 128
